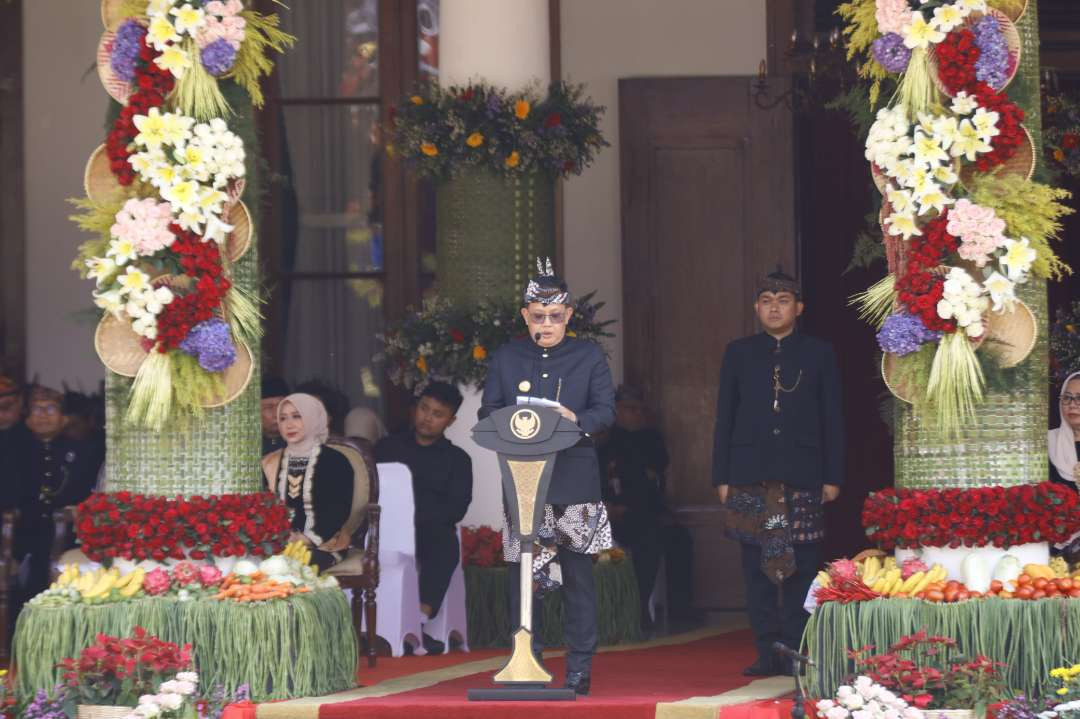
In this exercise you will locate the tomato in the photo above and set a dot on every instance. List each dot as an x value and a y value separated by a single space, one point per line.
1040 583
996 586
921 595
1038 594
953 584
951 593
1023 579
963 595
1053 591
934 595
1074 593
1024 592
1065 584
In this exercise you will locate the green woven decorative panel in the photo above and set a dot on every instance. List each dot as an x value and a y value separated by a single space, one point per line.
491 229
1006 445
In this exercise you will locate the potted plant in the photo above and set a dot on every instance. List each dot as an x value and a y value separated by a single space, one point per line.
926 672
109 677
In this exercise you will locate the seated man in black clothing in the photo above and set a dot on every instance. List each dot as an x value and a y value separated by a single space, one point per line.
60 472
274 389
442 489
634 459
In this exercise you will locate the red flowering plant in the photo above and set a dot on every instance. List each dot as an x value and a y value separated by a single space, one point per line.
926 673
918 289
999 516
134 526
149 88
956 56
117 671
481 547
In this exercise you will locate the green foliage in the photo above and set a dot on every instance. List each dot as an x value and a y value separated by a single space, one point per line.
1030 209
856 103
95 219
262 34
197 93
861 30
866 253
439 131
876 303
956 383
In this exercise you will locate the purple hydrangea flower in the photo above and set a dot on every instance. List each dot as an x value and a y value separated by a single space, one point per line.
903 334
125 50
992 66
211 343
218 57
891 53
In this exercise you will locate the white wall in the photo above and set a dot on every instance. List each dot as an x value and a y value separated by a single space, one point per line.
64 114
604 40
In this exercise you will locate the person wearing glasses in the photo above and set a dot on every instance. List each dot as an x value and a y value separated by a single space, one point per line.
778 455
1064 445
573 377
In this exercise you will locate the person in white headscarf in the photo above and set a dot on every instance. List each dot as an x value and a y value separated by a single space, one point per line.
313 479
1065 439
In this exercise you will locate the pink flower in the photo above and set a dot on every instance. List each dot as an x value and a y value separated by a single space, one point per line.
209 575
145 224
892 15
980 230
186 573
230 28
157 581
225 9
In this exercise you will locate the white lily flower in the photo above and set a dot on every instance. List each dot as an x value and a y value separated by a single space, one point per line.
100 268
1018 258
946 175
928 150
156 299
963 103
1002 292
134 280
188 19
945 128
111 301
217 231
160 33
918 33
933 199
122 251
947 17
968 144
173 59
903 224
985 123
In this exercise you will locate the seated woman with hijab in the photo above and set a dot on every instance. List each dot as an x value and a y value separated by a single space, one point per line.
1064 442
314 479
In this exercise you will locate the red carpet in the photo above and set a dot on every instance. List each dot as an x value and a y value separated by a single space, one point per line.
387 668
626 685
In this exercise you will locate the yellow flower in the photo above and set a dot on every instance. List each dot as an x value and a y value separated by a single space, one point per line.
521 109
479 353
474 140
429 149
421 364
174 60
513 159
1063 691
417 100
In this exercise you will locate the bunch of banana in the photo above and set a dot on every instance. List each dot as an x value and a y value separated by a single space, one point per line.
887 581
1060 567
99 589
871 567
129 584
299 551
919 580
55 596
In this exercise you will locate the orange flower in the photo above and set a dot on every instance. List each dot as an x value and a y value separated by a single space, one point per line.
521 109
429 149
479 353
1059 155
417 100
421 364
474 140
513 159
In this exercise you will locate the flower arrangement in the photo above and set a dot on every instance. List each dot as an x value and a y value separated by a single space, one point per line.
1065 343
440 131
447 342
481 547
137 527
1001 516
170 228
865 699
117 671
49 705
925 673
1061 132
945 154
173 697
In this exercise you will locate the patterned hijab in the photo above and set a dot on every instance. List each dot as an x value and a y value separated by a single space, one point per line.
1062 441
315 423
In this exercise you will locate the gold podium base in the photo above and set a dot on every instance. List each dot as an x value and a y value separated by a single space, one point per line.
523 666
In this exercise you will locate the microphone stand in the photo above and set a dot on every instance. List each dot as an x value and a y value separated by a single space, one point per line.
798 663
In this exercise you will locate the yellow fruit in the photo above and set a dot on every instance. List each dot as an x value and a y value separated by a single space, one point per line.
889 563
823 578
921 584
879 585
911 581
1060 567
871 567
134 583
101 587
1039 571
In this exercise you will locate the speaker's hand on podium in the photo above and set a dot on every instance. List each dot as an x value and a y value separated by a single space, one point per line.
569 414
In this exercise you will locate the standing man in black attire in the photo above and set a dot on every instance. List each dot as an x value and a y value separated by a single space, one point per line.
778 455
550 365
442 489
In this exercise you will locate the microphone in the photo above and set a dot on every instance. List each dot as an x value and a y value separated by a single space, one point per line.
784 649
537 336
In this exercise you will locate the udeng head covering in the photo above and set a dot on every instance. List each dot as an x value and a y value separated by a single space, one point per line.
777 282
547 288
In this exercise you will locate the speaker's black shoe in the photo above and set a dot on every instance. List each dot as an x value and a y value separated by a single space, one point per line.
578 681
763 667
433 645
